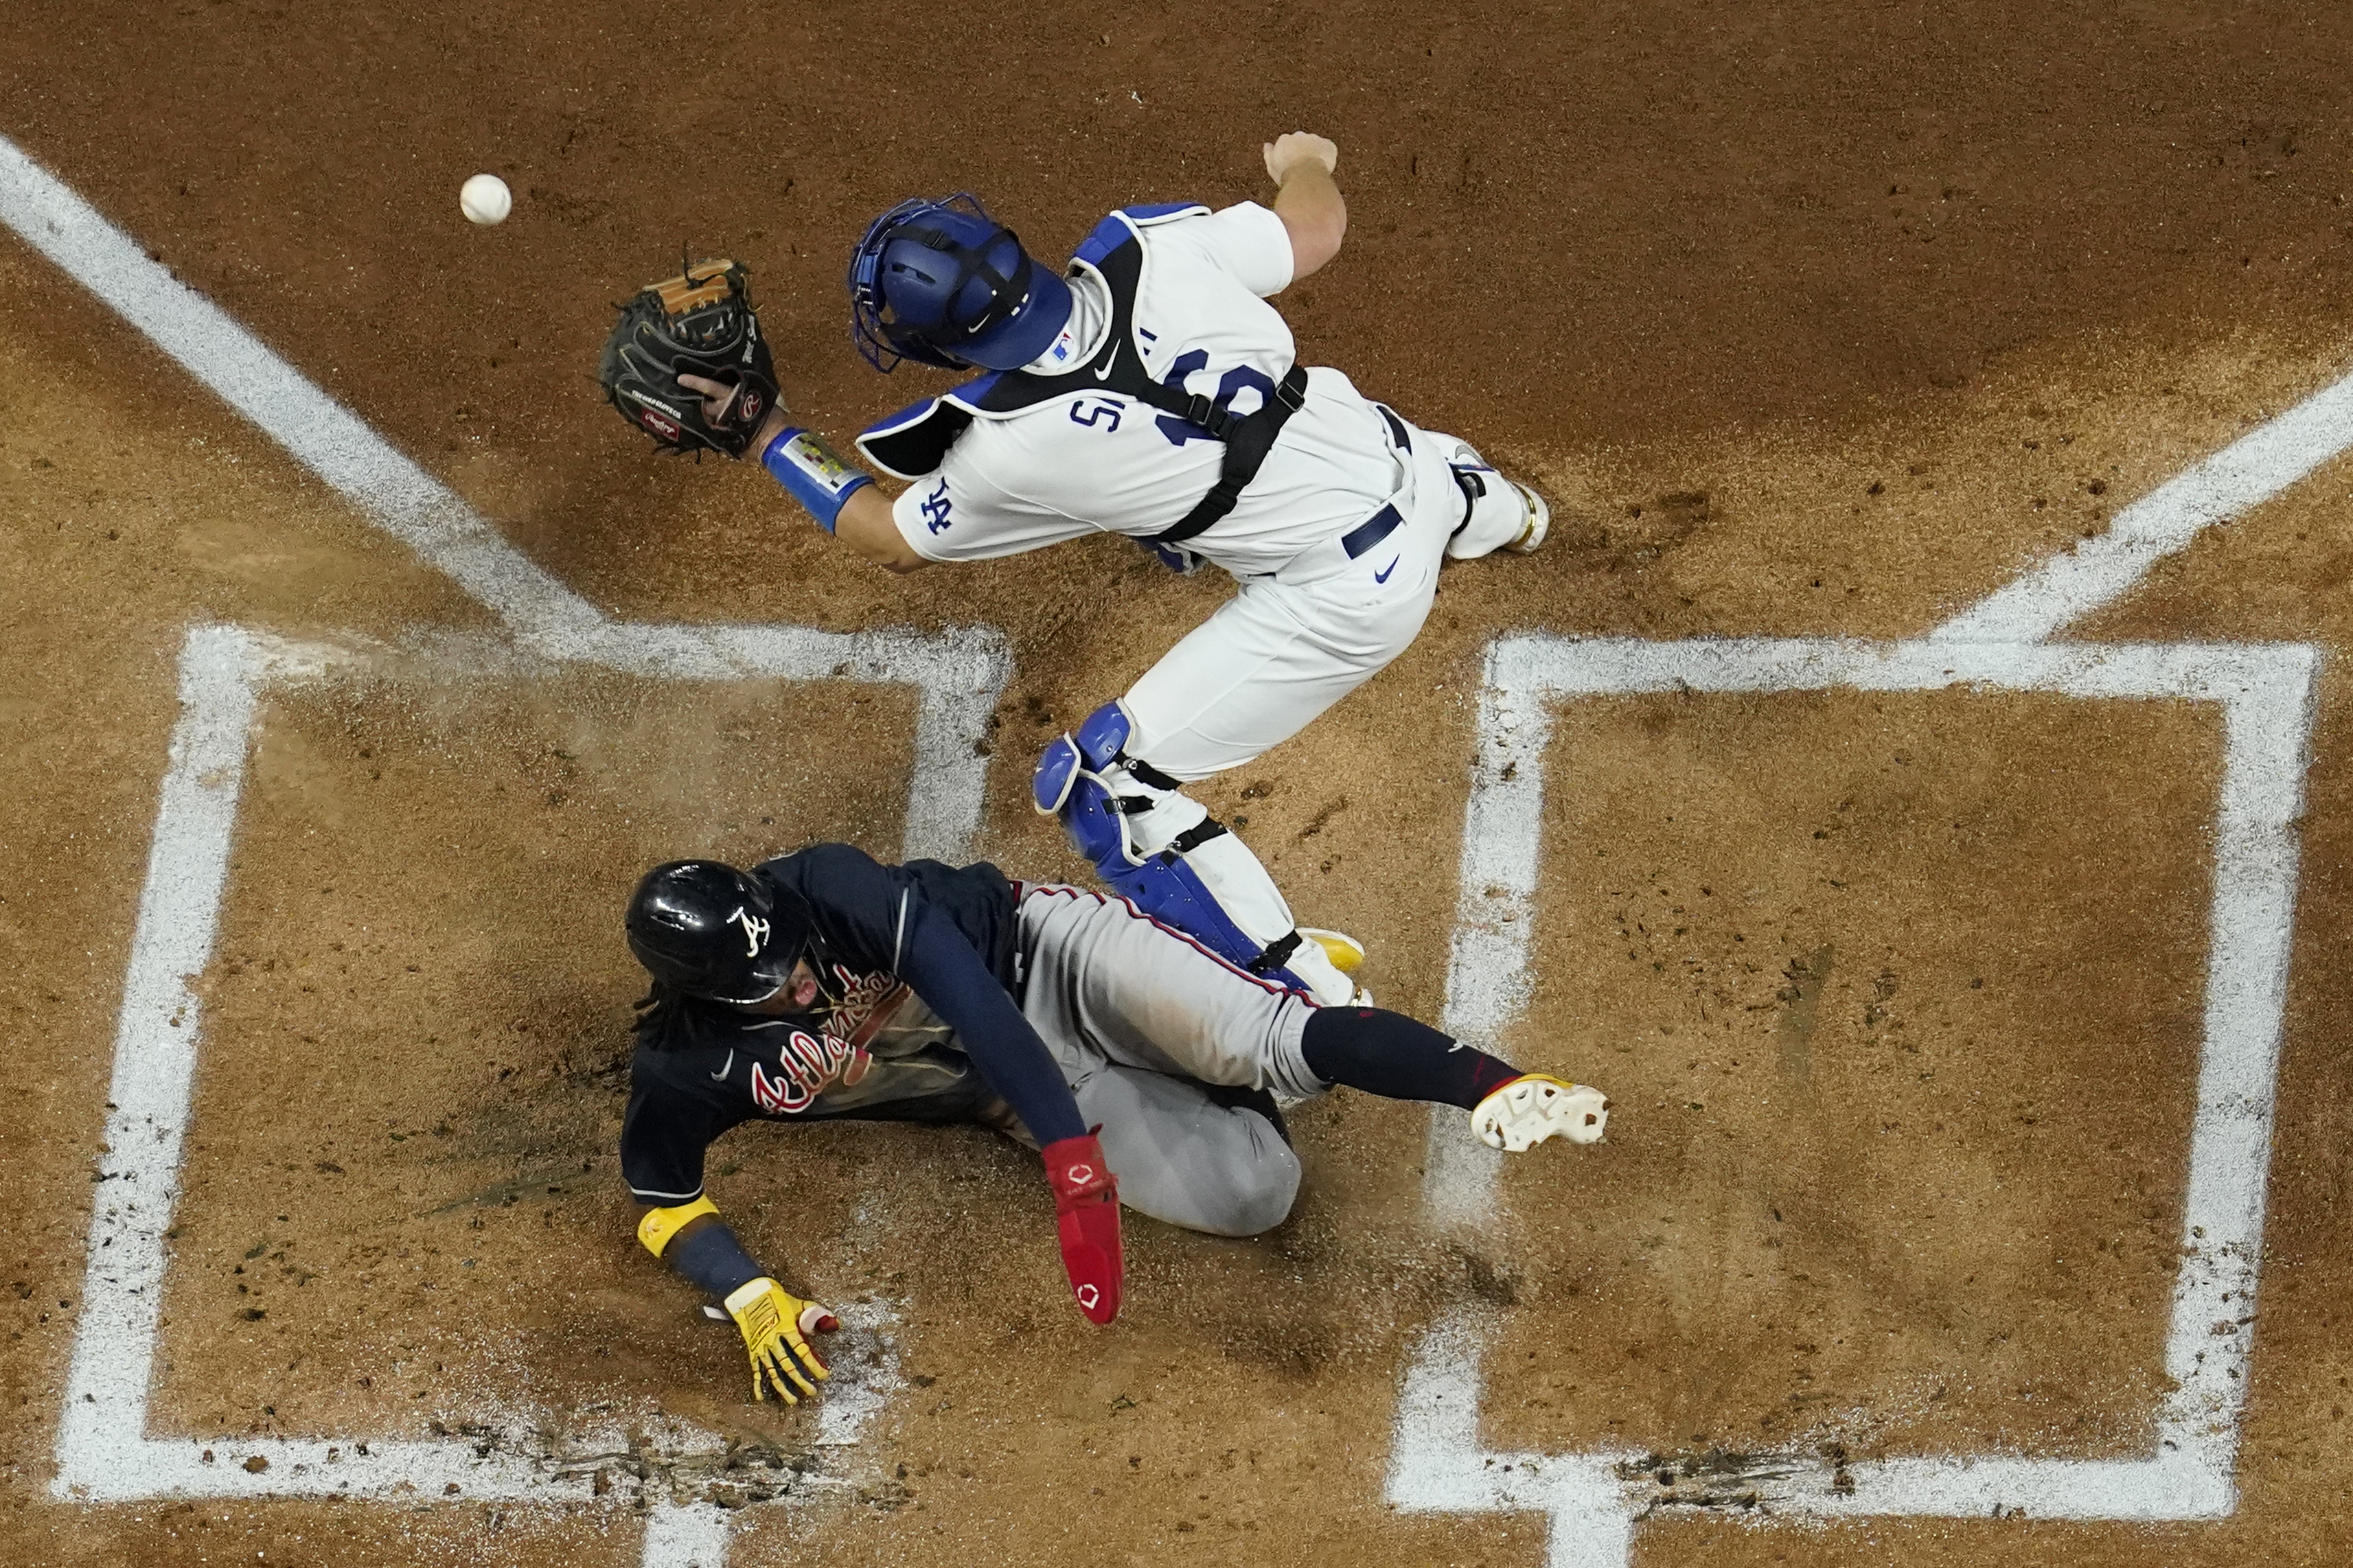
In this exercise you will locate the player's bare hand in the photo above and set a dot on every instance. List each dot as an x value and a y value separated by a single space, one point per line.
719 396
1293 148
776 1325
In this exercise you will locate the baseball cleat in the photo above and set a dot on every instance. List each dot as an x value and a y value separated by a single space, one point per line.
1539 522
1346 954
1535 1106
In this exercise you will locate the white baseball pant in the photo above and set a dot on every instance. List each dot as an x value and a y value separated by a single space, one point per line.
1291 644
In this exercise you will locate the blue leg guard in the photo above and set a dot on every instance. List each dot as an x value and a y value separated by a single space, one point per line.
1071 783
1163 886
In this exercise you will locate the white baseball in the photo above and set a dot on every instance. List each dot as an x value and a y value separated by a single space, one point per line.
485 199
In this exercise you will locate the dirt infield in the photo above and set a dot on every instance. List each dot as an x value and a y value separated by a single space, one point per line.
1813 325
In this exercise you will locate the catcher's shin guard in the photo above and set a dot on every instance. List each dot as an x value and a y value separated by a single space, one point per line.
1162 850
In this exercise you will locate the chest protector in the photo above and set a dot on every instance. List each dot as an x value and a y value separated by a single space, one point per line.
913 441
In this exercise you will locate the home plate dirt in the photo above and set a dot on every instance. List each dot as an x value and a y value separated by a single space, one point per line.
1813 326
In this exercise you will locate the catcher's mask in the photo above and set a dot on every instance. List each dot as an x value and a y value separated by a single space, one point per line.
710 930
945 284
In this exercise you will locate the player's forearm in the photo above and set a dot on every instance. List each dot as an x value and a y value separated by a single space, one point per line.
775 1324
841 498
945 971
1316 214
867 526
1013 1061
1307 199
700 1247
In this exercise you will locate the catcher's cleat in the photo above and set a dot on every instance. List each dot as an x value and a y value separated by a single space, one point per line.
1346 954
1539 522
1535 1106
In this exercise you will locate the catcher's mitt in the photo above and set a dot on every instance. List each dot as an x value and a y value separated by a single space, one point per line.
701 323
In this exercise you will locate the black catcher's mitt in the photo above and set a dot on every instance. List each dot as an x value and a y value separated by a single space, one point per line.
699 323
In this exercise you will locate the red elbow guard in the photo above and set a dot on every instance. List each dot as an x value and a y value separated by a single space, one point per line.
1086 1215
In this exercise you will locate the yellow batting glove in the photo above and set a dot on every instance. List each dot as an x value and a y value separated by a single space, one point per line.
772 1321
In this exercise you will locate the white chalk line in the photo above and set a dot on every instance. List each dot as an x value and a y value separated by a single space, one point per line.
691 1535
2101 570
1515 721
1438 1463
104 1453
959 676
2266 695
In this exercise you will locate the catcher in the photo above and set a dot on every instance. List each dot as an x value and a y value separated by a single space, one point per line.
1149 389
1141 1065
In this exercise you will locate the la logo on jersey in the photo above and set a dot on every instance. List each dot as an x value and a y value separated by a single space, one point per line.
935 508
756 932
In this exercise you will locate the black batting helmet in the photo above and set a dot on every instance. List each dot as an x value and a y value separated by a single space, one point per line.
710 930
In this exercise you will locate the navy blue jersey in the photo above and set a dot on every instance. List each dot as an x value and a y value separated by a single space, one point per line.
863 909
919 968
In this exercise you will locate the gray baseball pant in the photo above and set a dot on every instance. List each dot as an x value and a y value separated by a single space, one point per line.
1139 1016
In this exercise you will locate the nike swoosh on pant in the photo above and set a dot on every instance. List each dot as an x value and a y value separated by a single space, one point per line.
1383 575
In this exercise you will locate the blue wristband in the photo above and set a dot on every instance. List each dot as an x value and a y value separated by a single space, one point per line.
815 475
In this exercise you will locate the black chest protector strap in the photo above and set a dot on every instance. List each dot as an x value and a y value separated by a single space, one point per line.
1119 368
1249 438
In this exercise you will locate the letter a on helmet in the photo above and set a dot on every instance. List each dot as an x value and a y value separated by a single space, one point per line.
712 930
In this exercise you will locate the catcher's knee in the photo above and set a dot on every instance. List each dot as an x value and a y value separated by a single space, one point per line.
1069 784
1102 796
1100 741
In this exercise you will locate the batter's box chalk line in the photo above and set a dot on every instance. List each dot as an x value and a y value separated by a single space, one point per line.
958 674
104 1451
1594 1499
104 1454
1438 1463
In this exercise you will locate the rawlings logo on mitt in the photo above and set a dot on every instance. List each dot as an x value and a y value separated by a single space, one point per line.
699 323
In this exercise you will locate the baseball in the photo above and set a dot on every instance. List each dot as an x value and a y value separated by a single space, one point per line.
485 199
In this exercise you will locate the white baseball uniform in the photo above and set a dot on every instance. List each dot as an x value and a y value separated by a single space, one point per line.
1333 585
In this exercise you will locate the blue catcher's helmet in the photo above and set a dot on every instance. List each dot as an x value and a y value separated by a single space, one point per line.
945 284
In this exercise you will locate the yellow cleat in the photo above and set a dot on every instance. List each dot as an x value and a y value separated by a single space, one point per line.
1346 954
1535 1106
1539 522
